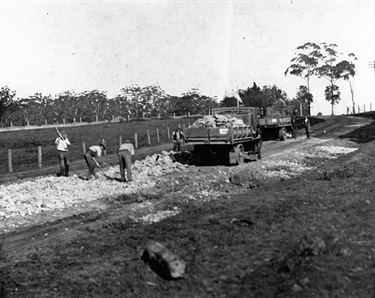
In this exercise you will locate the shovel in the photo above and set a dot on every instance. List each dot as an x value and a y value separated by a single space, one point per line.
105 175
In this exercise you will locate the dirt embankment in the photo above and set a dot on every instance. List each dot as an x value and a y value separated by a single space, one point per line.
299 223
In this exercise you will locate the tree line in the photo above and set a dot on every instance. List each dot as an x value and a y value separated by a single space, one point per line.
135 102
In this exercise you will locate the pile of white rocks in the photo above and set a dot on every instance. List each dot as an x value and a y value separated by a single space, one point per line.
292 164
45 193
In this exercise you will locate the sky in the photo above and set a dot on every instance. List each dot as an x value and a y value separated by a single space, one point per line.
54 46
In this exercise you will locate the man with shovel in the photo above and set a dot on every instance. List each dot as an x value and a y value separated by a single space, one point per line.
93 158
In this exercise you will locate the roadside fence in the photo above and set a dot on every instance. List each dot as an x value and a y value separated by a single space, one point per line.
32 158
78 122
360 109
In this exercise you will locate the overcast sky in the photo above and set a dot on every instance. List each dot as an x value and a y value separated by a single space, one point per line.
55 46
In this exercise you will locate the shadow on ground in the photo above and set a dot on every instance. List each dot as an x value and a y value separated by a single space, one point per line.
363 134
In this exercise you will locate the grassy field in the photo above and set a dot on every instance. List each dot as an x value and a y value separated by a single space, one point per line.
24 143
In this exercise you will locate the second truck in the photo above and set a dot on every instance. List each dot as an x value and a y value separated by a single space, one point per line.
277 122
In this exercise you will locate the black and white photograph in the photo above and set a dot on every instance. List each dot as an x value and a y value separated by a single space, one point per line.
187 148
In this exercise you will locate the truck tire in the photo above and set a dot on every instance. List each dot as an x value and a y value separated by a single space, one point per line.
237 155
282 134
241 154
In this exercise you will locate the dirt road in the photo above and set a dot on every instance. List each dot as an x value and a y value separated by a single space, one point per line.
296 224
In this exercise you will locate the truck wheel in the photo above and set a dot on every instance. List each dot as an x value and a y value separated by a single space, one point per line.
282 134
235 155
239 153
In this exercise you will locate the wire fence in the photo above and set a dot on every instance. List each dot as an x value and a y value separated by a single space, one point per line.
360 109
40 124
39 151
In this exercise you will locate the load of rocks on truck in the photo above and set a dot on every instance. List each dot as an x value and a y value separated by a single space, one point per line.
227 136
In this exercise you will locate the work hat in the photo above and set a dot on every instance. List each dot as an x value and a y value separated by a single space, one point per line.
102 145
127 141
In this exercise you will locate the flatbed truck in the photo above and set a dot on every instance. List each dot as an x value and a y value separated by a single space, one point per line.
228 142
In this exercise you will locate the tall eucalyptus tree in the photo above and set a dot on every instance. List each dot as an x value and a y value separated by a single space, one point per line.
304 63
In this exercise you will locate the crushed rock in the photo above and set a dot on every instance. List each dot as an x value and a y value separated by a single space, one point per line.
41 194
296 162
51 193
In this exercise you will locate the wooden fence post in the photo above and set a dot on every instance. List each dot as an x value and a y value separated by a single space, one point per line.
136 140
39 157
80 119
64 121
169 135
28 123
157 135
148 137
96 118
11 124
120 140
45 121
84 147
128 117
10 166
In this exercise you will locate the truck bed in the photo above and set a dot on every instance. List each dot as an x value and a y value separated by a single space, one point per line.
275 122
218 135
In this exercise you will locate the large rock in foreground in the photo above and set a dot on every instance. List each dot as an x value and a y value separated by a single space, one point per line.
163 261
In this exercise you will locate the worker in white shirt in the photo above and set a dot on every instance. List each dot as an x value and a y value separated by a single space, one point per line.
63 143
125 152
93 158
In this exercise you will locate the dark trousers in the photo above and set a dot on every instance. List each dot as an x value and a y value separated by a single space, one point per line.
307 132
64 162
295 133
89 158
259 148
125 162
294 129
177 145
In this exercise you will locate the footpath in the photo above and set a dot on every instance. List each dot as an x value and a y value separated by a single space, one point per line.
80 165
